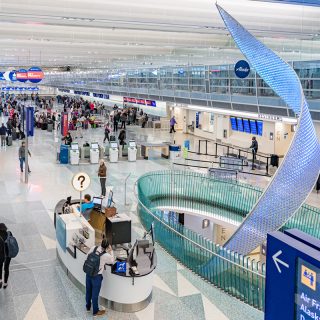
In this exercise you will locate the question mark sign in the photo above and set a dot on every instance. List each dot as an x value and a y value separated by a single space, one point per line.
82 178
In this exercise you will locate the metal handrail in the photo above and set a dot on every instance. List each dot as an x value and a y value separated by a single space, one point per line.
191 241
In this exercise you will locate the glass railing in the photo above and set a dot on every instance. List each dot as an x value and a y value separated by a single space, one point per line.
239 276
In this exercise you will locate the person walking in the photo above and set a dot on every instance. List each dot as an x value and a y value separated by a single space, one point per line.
22 156
97 258
102 174
116 118
3 133
123 120
107 130
122 137
5 258
172 123
254 148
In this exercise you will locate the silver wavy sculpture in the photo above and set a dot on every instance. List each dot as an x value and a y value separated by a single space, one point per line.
299 170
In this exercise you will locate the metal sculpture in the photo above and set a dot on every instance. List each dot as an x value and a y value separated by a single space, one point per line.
299 170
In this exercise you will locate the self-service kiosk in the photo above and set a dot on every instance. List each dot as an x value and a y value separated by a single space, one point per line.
132 151
113 151
94 152
74 153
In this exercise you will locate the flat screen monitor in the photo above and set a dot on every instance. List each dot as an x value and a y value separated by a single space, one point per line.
233 121
260 127
246 126
132 144
240 124
113 144
253 126
94 145
97 201
74 146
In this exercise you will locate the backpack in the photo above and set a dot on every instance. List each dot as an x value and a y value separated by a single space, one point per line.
12 245
92 265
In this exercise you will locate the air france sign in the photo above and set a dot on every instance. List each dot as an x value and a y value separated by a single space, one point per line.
242 69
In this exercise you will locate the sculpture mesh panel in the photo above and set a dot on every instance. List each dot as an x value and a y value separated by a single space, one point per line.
299 169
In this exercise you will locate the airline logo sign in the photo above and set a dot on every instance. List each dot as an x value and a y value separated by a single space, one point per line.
150 103
34 75
308 277
242 69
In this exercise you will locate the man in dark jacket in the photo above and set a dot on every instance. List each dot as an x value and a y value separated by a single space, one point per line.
3 132
254 148
4 259
22 156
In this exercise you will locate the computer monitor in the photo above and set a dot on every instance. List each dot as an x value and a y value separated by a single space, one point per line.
113 145
97 202
132 144
74 146
94 145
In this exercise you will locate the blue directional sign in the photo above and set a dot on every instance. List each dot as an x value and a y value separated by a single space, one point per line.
292 277
30 121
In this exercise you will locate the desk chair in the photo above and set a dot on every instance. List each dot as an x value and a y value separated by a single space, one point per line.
87 213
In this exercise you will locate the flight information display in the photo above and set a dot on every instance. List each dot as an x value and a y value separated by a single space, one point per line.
246 125
240 124
233 121
260 127
307 297
253 126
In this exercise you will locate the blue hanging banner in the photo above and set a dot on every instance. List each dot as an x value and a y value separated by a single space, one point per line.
197 119
30 121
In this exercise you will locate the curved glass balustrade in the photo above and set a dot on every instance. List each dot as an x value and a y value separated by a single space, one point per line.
239 276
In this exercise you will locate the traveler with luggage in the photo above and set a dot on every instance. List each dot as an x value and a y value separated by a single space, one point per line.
3 133
254 148
97 258
106 133
22 156
102 174
122 137
8 249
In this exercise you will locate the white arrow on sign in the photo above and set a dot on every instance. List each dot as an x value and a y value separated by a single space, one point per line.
277 261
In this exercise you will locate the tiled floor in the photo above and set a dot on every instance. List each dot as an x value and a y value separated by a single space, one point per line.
38 288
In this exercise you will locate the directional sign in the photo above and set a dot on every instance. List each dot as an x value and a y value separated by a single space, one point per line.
292 277
81 181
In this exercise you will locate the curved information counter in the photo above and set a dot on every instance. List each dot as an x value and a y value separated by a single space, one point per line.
123 289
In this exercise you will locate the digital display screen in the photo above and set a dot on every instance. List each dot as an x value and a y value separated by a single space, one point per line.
151 103
246 126
240 124
233 121
98 95
113 145
97 200
253 127
74 146
132 144
94 145
260 127
307 295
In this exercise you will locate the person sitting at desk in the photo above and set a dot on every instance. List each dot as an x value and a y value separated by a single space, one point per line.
87 204
94 282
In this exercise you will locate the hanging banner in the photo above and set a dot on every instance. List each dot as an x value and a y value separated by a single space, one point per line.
64 124
30 121
22 75
35 74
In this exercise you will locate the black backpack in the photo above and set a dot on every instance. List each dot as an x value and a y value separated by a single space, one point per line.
12 245
92 265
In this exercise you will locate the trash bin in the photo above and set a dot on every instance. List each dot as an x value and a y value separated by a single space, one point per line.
64 154
174 151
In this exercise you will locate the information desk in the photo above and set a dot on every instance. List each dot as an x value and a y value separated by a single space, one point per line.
120 291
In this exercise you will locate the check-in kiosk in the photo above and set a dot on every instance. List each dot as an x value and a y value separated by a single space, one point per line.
132 151
74 153
94 152
113 152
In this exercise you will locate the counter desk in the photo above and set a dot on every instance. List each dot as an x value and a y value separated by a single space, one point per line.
123 292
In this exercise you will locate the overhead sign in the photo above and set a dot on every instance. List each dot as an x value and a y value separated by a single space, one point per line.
150 103
292 276
35 74
81 181
242 69
19 88
22 75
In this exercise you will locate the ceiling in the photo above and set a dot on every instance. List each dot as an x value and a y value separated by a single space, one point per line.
124 33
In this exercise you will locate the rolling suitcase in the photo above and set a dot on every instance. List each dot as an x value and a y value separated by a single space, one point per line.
9 141
14 135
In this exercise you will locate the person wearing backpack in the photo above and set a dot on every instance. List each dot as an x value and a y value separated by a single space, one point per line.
97 258
8 249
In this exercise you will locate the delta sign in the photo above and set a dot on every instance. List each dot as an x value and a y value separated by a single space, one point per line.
34 75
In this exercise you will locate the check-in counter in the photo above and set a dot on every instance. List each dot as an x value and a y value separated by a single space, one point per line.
123 292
